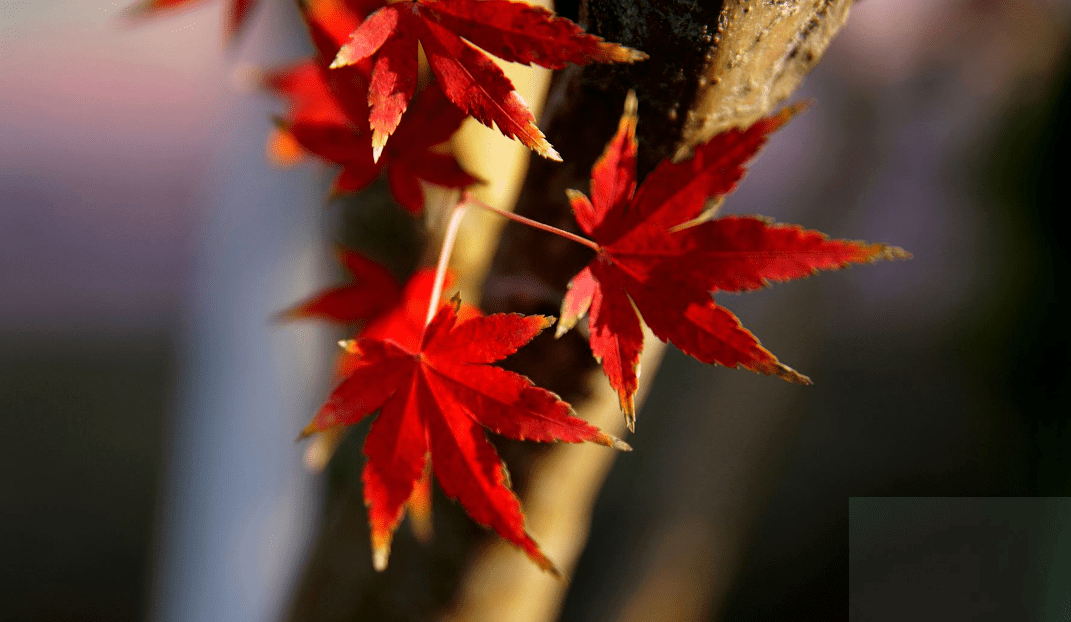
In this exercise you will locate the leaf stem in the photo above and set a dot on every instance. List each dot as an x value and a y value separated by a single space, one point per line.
444 259
468 199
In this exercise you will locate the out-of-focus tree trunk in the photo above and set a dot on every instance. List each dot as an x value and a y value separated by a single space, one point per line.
711 67
238 508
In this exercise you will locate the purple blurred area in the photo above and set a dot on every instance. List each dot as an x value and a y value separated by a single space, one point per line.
928 131
106 135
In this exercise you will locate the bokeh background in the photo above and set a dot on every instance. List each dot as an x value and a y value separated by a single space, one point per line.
148 471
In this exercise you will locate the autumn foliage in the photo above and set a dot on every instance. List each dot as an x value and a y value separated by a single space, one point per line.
513 31
429 370
659 250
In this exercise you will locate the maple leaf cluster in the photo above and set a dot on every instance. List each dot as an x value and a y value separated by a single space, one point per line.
428 369
352 115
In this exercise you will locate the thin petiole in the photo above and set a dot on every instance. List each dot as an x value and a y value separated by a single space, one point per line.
468 199
444 259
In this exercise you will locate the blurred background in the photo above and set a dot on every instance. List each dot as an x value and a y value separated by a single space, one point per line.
132 170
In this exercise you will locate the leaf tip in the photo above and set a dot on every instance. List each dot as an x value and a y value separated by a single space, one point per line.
546 321
544 563
342 59
628 408
631 104
380 555
791 375
575 195
619 444
774 122
282 148
890 253
315 458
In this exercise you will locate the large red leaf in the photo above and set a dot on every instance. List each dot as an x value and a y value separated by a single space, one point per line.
389 313
513 31
435 397
660 255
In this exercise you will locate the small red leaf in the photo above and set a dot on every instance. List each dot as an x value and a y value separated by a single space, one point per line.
374 291
308 93
324 125
509 405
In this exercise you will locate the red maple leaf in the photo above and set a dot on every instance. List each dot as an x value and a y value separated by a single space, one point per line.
434 400
237 15
391 313
328 116
320 124
513 31
658 250
373 293
403 323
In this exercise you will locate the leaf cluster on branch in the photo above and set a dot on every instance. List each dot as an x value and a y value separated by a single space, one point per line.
369 103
